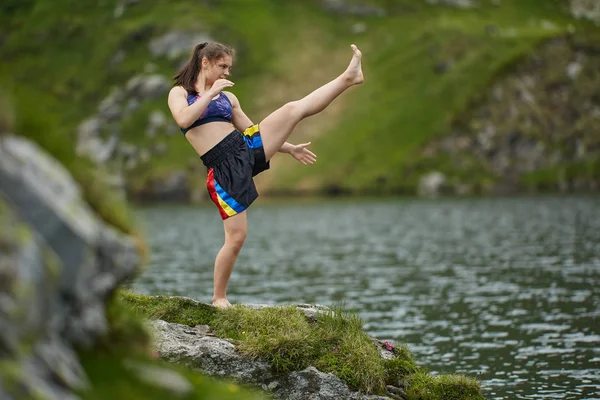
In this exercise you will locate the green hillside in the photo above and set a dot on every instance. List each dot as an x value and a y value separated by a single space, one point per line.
423 65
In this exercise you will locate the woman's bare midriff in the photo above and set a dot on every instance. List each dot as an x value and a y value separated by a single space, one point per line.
205 137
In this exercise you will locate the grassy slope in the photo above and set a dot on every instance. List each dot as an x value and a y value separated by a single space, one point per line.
59 53
406 103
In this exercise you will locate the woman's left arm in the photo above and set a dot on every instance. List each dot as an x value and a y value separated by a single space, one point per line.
241 121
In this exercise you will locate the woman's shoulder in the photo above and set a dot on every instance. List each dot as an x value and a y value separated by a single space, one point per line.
231 97
178 90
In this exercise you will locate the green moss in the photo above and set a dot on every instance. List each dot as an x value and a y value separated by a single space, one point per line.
170 309
127 333
398 368
547 179
11 374
110 205
422 386
336 343
7 115
280 335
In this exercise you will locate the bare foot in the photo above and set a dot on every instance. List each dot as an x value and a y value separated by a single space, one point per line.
354 70
221 303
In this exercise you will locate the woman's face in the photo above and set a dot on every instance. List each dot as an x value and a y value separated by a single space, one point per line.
219 69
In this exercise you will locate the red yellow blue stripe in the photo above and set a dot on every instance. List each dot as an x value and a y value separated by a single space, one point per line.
226 204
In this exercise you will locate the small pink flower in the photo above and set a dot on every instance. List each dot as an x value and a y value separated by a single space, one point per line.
388 345
155 354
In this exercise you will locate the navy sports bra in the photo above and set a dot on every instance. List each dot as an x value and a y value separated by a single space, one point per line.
217 110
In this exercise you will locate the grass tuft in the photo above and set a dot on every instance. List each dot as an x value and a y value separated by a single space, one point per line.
281 335
423 386
398 368
171 309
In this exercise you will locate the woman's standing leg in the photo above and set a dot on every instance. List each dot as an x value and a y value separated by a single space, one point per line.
276 127
236 229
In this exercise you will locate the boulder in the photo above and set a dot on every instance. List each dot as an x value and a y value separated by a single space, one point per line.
431 184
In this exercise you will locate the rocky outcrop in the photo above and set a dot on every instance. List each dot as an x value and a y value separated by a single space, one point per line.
58 265
587 9
198 348
543 115
464 4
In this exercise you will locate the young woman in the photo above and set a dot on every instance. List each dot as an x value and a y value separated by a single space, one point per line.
232 147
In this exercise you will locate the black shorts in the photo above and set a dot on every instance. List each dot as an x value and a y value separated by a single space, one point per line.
232 164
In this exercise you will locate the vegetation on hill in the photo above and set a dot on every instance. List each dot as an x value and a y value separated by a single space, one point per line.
423 64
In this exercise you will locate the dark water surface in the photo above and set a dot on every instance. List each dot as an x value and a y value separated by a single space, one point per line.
506 290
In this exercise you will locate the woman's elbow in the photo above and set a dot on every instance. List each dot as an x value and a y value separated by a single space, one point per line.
183 122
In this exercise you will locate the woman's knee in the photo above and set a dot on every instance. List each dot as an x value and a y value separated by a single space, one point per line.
235 238
293 109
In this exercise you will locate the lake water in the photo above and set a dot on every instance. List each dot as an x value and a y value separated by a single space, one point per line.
502 289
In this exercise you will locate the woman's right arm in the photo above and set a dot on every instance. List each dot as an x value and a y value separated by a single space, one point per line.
185 114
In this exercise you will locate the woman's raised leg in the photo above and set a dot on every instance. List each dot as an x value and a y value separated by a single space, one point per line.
236 228
277 126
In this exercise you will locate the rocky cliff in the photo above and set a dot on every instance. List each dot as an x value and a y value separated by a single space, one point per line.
535 130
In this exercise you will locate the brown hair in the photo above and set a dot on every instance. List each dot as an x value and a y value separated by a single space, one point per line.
189 72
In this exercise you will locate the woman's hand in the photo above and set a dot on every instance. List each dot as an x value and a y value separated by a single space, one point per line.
219 85
302 154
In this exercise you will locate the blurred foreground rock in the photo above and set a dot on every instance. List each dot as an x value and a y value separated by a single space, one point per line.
58 265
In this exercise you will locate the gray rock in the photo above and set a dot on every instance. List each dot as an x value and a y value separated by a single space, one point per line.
464 4
89 128
586 9
110 107
175 44
161 377
192 346
117 58
573 70
156 121
159 148
148 86
358 28
313 384
431 184
119 10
